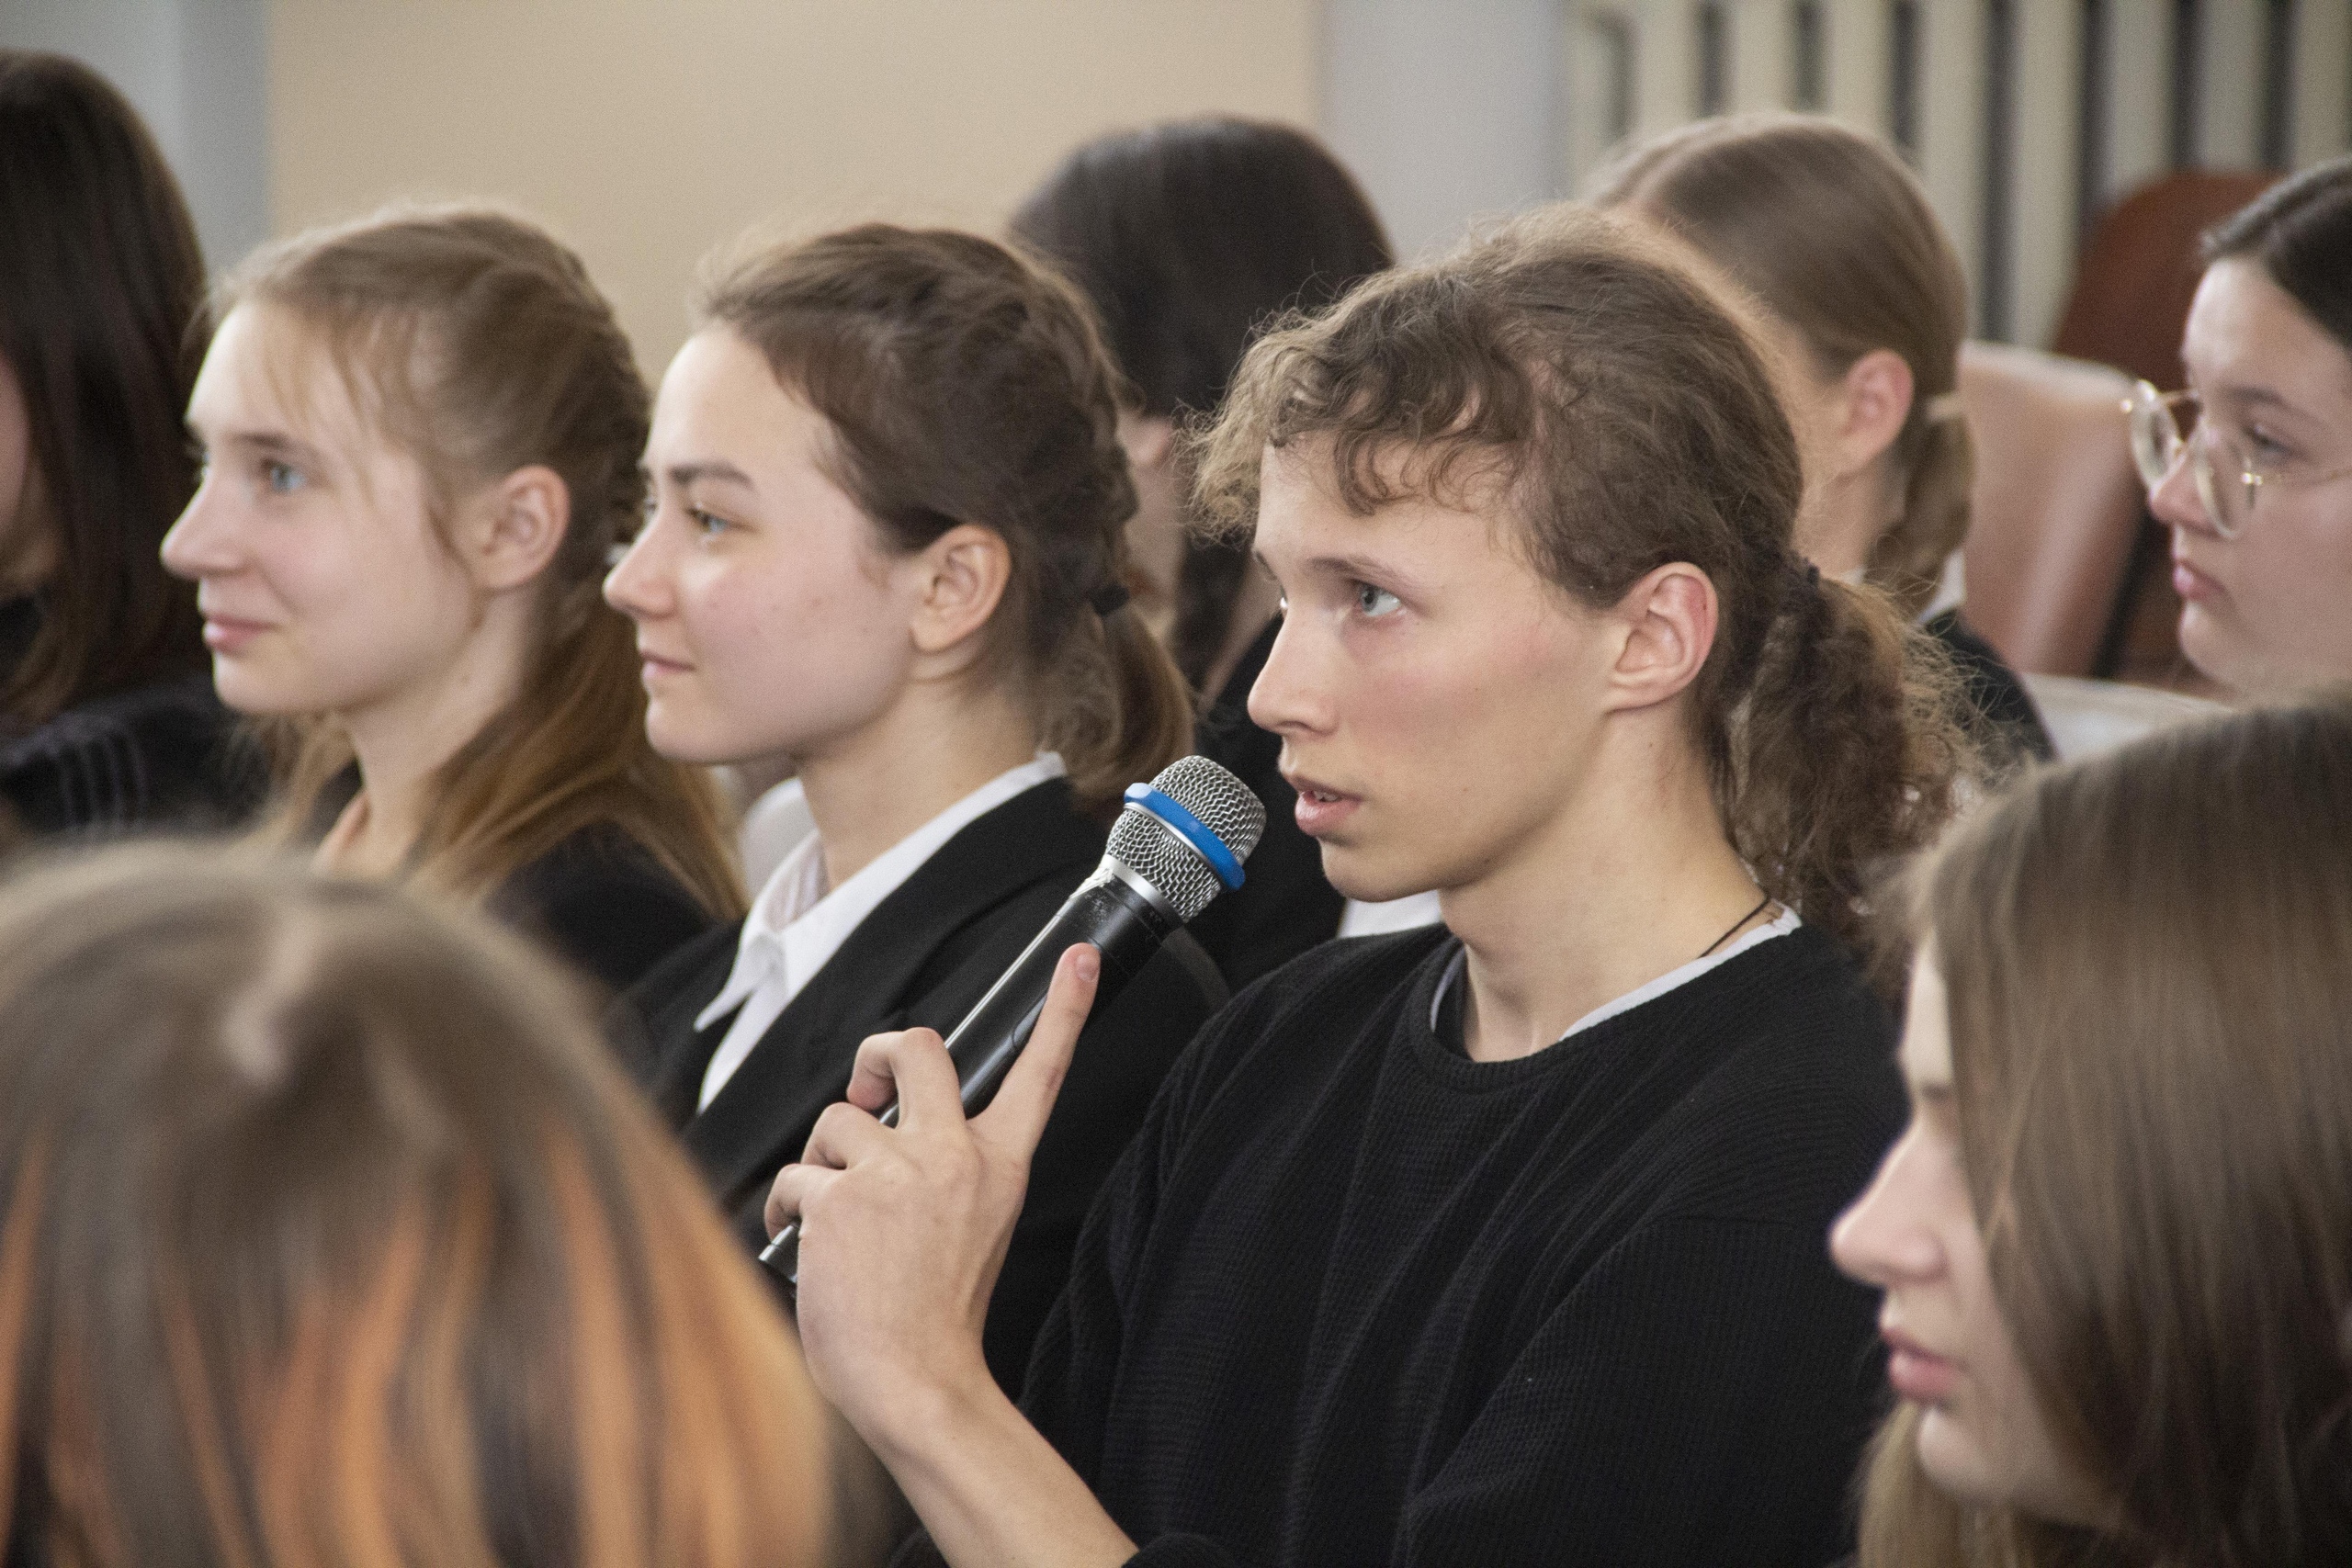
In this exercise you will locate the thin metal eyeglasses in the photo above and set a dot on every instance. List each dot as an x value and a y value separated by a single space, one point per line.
2228 492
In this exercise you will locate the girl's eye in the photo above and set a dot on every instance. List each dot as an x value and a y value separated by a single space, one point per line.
281 479
1374 602
709 523
2266 452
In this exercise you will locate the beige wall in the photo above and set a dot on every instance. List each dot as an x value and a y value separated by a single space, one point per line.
645 132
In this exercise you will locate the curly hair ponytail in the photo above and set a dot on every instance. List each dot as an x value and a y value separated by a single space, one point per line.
1842 755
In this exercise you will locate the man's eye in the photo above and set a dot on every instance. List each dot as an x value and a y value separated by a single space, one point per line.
1374 602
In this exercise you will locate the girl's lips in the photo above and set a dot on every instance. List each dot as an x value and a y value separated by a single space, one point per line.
222 635
1918 1374
652 666
2192 585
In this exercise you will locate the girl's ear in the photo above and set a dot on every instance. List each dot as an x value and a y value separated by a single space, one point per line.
960 580
515 527
1876 393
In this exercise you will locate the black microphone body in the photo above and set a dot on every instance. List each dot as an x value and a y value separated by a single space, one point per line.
1169 854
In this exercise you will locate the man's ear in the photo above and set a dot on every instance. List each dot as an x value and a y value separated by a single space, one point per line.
1876 392
515 527
960 579
1668 628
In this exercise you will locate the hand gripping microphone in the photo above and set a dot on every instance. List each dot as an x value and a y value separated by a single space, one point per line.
1179 842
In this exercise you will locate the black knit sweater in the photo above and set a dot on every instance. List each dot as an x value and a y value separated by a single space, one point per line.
1353 1298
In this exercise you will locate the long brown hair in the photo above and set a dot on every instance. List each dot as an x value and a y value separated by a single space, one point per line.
962 385
103 322
1632 423
1829 230
478 344
1188 238
328 1234
2148 958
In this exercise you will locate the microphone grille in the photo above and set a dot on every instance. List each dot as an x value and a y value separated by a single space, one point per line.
1226 806
1152 850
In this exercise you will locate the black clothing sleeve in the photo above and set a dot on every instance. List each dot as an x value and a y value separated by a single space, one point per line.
1284 906
604 905
161 757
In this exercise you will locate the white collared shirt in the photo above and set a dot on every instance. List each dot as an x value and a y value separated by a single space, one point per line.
795 925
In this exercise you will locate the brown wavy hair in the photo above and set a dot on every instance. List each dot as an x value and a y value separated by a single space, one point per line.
1833 234
103 322
1631 424
962 384
2148 958
478 344
330 1234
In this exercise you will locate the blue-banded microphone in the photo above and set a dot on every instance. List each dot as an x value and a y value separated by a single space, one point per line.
1179 842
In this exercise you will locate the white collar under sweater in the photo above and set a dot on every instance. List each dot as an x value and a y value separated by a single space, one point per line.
795 925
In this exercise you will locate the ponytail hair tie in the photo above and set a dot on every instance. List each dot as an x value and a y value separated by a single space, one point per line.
1109 599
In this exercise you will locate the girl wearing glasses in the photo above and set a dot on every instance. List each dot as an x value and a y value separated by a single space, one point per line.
2251 467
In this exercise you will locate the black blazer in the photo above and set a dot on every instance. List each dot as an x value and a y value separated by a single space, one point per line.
924 957
600 901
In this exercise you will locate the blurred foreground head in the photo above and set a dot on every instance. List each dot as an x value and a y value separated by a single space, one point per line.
326 1236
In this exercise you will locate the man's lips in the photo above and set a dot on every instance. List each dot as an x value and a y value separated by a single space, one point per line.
1320 807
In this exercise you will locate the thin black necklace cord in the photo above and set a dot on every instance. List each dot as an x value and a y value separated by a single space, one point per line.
1761 905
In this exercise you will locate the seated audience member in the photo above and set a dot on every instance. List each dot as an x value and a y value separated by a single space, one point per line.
328 1234
2113 1241
1188 238
1862 299
1498 1242
421 436
107 719
2261 510
885 545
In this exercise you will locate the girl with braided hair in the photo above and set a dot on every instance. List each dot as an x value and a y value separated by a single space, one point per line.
887 545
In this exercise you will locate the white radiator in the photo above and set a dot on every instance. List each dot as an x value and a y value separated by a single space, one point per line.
2022 115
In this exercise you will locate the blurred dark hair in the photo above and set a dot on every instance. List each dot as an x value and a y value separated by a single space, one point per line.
103 320
1188 238
2300 231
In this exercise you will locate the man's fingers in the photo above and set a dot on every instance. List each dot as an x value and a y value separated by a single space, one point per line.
1016 1118
790 1193
872 1082
843 1135
915 1066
